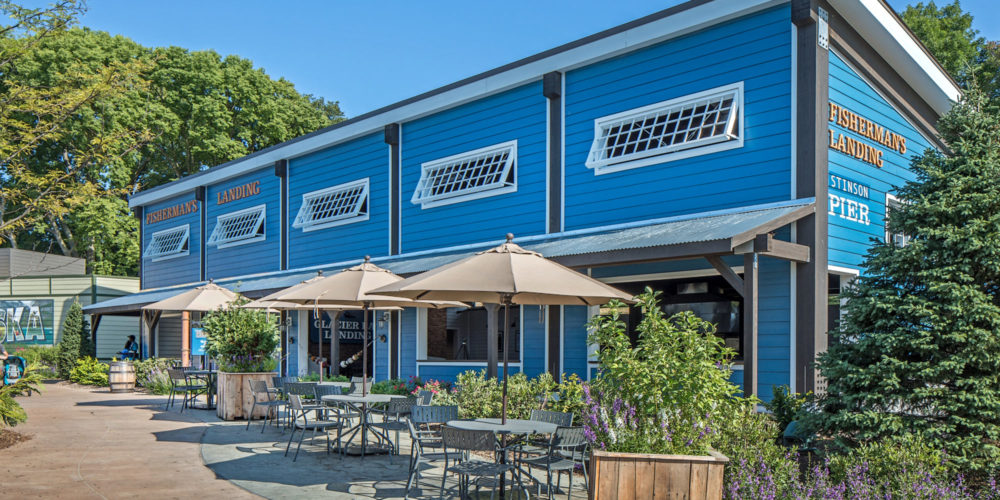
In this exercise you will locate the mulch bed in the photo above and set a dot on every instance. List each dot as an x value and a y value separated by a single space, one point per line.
9 438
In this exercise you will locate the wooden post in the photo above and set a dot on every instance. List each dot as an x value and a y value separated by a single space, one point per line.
335 342
750 324
185 338
492 339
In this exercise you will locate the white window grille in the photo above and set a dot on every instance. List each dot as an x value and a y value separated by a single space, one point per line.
239 227
169 243
692 125
333 206
899 239
489 171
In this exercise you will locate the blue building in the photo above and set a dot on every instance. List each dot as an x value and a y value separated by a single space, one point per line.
739 155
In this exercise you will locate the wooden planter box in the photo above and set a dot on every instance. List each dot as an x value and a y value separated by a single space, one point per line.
629 476
234 398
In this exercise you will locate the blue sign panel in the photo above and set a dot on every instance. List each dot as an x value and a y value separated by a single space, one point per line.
27 321
198 340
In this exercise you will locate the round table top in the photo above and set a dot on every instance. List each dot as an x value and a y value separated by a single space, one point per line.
336 384
513 426
358 398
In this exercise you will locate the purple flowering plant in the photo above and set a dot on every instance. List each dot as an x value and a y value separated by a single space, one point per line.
668 393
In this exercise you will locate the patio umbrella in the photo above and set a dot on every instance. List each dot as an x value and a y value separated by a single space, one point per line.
506 275
207 297
352 287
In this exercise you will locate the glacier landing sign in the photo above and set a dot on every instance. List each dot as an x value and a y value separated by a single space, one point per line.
27 321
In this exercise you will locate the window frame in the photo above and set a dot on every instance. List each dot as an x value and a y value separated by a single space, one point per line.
509 170
262 223
356 215
891 199
671 153
185 241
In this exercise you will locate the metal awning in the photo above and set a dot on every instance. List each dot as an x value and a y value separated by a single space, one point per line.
712 234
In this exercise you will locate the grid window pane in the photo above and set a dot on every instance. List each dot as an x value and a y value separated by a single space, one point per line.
168 243
336 205
479 172
674 125
244 226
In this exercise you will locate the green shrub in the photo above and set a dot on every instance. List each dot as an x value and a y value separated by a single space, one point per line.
89 371
75 342
157 381
570 399
242 340
145 367
667 394
482 397
392 386
785 405
314 377
895 463
750 441
42 360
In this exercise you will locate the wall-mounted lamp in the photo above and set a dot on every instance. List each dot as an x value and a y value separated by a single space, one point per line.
381 338
383 319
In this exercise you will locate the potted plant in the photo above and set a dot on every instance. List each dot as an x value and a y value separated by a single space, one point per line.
650 414
243 342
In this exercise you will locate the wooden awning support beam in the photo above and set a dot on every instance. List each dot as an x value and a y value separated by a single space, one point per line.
727 272
767 245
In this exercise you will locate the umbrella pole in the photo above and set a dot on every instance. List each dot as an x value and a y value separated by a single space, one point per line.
506 344
364 355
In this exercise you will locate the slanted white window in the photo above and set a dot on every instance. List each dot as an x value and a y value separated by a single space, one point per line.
333 206
687 126
239 227
489 171
169 243
899 239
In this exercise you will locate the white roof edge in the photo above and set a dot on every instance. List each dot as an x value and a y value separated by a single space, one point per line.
678 24
882 28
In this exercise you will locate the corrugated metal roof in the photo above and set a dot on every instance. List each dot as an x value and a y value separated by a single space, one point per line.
673 231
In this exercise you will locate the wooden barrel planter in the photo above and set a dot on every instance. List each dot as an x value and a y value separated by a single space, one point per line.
234 398
121 376
629 476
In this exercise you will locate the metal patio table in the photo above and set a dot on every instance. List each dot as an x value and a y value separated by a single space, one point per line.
209 376
363 405
513 426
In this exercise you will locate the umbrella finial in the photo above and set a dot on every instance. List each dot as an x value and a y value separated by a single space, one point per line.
368 258
319 272
211 281
510 237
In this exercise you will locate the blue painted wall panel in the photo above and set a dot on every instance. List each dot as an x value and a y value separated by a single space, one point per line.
533 341
517 114
381 352
250 258
175 270
755 50
408 343
850 239
575 340
773 325
450 372
367 156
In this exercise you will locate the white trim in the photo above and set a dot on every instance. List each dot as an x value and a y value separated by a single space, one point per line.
794 115
562 340
736 367
421 350
882 29
692 273
185 238
673 26
890 198
462 363
509 169
548 161
847 271
793 314
591 348
732 138
399 194
520 335
261 222
562 160
545 360
388 222
355 215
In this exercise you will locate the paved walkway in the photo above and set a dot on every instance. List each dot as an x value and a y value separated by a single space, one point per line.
89 443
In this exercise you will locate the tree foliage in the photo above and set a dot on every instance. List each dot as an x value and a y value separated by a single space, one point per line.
128 117
241 339
919 349
75 342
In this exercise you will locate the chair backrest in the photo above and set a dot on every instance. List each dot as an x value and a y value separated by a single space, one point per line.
176 375
279 382
433 414
400 406
321 390
553 417
258 387
301 388
356 386
357 380
424 398
466 440
569 437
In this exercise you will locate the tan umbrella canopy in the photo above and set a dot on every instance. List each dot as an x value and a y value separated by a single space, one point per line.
351 288
507 274
207 297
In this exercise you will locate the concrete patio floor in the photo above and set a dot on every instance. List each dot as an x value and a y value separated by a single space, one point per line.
89 443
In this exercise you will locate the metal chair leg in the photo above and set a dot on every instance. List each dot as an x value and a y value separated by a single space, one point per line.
290 437
249 417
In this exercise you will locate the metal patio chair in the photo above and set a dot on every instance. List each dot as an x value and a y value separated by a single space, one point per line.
301 422
425 448
424 398
461 442
179 384
539 444
567 448
394 415
305 389
258 390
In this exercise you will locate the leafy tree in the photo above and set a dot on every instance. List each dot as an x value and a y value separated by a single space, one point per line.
919 349
947 32
75 342
241 339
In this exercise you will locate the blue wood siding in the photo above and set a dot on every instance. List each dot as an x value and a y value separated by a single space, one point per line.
449 372
381 352
367 156
517 114
533 341
849 240
773 325
176 270
575 340
755 50
407 343
250 258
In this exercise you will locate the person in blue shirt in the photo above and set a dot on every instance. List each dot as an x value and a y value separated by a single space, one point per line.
131 349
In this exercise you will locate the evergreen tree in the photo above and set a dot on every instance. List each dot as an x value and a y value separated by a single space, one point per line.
75 342
919 349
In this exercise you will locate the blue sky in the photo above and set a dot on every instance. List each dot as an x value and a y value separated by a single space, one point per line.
370 54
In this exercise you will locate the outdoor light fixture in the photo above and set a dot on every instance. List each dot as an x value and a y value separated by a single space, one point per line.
381 338
383 319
